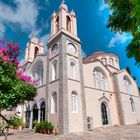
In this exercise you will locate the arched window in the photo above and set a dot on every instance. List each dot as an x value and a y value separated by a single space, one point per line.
100 80
127 85
111 62
54 103
37 73
73 69
132 105
104 60
74 101
42 111
117 63
54 70
35 113
36 51
104 113
68 24
57 24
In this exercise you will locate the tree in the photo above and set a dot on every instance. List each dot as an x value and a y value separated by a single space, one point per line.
125 17
15 87
128 70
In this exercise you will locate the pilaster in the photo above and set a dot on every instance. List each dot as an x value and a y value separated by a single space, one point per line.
31 120
119 101
82 90
63 90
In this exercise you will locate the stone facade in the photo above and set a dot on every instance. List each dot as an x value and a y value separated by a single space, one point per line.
75 93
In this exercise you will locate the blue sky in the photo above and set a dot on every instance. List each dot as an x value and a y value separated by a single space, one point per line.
20 19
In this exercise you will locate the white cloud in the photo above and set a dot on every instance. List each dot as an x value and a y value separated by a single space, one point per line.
103 11
119 39
102 6
45 38
39 30
35 31
25 14
2 28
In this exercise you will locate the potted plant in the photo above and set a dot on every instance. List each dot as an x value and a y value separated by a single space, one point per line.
44 127
56 131
16 123
50 128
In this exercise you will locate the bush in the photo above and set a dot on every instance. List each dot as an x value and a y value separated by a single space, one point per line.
50 127
43 127
35 122
16 122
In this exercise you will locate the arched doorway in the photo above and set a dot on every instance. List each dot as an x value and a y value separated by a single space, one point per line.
104 113
42 111
35 113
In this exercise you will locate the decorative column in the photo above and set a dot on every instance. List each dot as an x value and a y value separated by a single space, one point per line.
24 113
39 115
31 120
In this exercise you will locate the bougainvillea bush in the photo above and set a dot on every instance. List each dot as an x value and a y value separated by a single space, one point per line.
15 86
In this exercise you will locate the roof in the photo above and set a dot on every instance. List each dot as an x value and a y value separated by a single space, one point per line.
93 56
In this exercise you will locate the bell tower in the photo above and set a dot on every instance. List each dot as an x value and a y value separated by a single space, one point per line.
66 96
33 48
63 20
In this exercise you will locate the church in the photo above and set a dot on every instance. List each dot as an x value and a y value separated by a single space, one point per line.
75 93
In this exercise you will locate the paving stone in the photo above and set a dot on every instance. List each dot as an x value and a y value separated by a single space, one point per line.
130 132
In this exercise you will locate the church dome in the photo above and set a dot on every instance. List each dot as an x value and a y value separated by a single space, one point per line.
63 6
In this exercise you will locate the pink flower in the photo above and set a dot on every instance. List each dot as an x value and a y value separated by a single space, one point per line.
9 44
9 53
5 59
2 50
16 48
25 78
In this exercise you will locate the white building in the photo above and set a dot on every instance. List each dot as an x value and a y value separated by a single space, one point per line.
77 94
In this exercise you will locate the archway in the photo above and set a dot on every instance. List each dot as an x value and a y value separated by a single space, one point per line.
68 24
104 112
57 24
36 51
42 111
35 113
